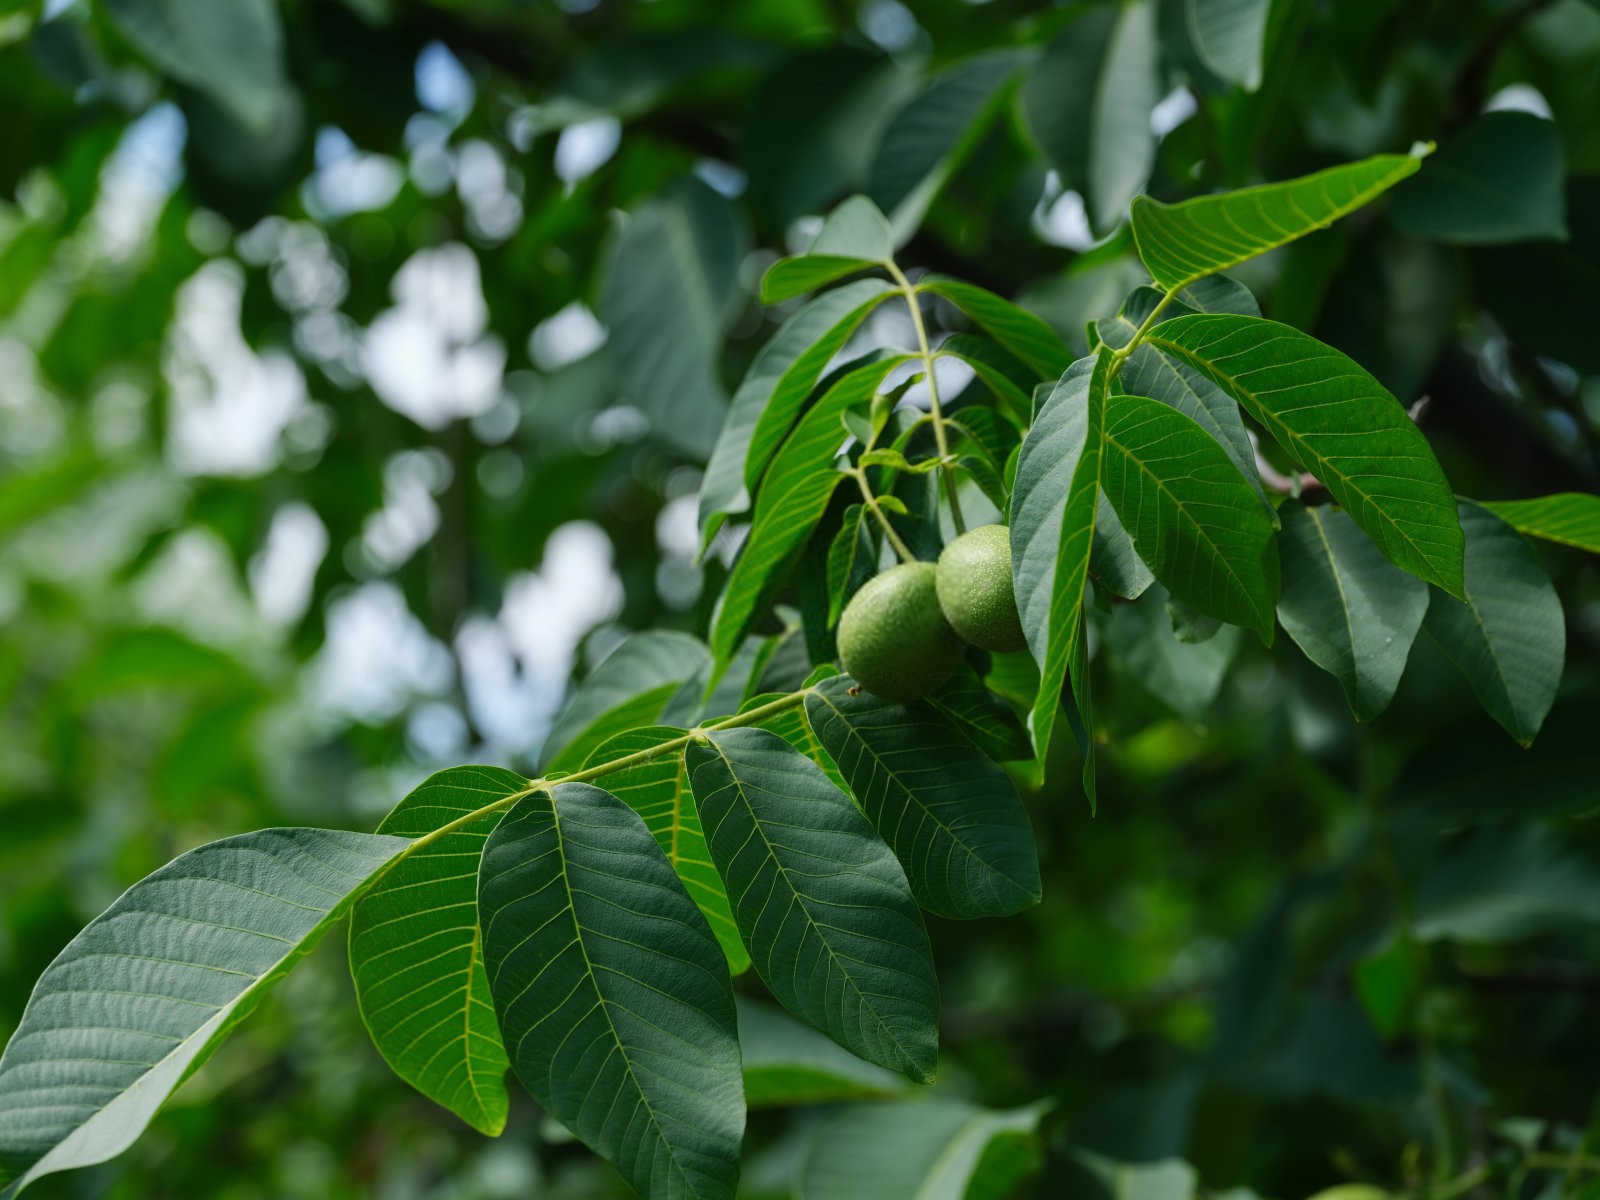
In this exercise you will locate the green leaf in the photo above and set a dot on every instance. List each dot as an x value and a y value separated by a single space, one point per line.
852 560
932 136
1165 1179
824 908
855 237
1055 506
1386 984
1190 513
928 1149
1570 518
772 393
1150 372
791 725
1180 243
1503 179
137 1001
664 298
1088 105
1340 424
1227 36
787 1063
985 721
658 790
230 49
1508 635
1185 676
1353 612
793 497
1010 381
613 995
1017 329
416 957
950 815
632 686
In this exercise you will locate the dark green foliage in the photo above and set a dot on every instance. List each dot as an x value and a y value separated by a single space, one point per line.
385 386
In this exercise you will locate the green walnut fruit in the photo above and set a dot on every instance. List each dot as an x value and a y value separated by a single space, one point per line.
975 592
893 638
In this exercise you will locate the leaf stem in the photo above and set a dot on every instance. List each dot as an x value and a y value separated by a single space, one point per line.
947 472
900 548
752 717
1118 357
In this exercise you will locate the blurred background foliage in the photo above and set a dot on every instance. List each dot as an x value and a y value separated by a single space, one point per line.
357 363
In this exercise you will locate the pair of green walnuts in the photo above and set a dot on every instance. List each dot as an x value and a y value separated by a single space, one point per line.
900 636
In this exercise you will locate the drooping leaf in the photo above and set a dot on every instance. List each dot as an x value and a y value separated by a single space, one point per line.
823 906
772 393
852 560
612 992
1502 179
1227 35
930 1149
232 51
929 139
1508 635
416 957
1088 104
1006 376
632 686
1017 329
792 499
1570 518
980 717
141 996
1054 508
1191 515
1180 243
658 790
1353 612
663 300
951 816
1340 424
855 237
1182 675
787 1063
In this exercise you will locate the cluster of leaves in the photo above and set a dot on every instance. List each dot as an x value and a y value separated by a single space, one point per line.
585 937
955 149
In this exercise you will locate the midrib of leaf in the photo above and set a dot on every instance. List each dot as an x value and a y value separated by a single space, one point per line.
893 780
799 902
1183 508
1284 434
605 1009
